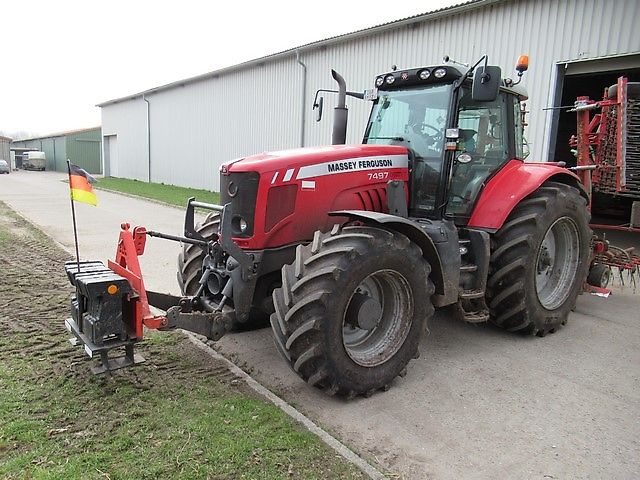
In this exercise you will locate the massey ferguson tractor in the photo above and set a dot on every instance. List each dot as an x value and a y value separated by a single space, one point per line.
349 249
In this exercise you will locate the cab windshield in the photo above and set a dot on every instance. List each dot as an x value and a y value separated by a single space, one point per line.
415 118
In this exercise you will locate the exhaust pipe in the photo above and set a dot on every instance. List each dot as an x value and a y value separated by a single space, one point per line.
340 112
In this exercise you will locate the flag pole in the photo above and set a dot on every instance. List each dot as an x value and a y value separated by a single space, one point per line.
73 215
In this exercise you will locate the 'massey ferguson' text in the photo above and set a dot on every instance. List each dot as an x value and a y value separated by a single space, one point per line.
359 165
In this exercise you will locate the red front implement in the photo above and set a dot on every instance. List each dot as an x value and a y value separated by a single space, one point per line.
130 246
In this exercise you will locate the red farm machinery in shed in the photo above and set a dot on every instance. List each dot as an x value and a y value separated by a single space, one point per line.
607 148
347 250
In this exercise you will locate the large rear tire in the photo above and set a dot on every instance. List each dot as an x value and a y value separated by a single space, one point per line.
539 261
352 309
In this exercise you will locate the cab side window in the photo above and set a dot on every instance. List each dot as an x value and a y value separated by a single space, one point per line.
482 129
483 135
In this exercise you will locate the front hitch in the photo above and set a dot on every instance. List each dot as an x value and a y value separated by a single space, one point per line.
111 305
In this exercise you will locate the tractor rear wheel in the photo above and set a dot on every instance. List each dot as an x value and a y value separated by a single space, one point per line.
352 309
539 261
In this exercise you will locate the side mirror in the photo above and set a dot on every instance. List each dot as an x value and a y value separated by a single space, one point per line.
318 106
486 83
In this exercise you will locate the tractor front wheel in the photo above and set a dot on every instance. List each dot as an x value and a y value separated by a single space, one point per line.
352 309
539 261
191 257
190 271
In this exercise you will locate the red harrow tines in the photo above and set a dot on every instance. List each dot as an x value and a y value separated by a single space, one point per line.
623 261
607 143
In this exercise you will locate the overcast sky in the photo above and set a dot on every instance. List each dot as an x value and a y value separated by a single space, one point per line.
60 58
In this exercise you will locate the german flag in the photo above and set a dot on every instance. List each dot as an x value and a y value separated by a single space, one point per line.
80 184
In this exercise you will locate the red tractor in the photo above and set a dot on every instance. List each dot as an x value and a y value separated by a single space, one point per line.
349 249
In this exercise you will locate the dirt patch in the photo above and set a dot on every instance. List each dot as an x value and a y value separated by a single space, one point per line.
181 413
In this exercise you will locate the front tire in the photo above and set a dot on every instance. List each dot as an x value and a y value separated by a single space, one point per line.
352 309
539 261
191 257
190 271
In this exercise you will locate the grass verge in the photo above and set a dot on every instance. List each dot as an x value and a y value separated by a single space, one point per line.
157 191
179 415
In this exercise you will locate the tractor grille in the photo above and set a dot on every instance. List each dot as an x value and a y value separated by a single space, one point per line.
241 189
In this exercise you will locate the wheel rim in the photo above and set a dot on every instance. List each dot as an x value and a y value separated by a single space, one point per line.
557 263
374 346
605 278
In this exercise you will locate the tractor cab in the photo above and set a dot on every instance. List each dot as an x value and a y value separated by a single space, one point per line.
456 137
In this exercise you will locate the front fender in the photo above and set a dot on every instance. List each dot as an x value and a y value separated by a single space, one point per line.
510 185
415 234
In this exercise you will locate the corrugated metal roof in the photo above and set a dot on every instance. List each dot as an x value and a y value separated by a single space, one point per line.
58 134
5 138
446 11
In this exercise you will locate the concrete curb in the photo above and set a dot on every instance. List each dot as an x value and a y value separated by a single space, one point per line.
327 438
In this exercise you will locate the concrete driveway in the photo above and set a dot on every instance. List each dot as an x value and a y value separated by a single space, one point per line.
478 403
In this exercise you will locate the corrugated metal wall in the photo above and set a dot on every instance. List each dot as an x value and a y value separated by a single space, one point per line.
127 122
197 126
61 153
48 147
84 149
5 153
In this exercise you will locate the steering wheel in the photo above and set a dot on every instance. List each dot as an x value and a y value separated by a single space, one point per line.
428 138
437 130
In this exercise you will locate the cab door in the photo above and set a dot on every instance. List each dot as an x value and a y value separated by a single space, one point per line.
486 142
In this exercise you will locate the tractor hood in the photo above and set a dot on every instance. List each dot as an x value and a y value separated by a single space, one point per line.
327 159
286 196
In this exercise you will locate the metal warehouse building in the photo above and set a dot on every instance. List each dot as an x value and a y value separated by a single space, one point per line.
82 147
5 154
180 133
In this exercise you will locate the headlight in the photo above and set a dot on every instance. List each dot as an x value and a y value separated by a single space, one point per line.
424 74
379 81
239 224
390 79
440 72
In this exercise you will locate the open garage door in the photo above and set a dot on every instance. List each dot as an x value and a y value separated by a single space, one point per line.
590 78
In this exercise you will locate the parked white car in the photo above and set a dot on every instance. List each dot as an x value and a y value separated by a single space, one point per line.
4 167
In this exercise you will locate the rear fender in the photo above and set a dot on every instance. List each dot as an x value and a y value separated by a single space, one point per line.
411 230
510 185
